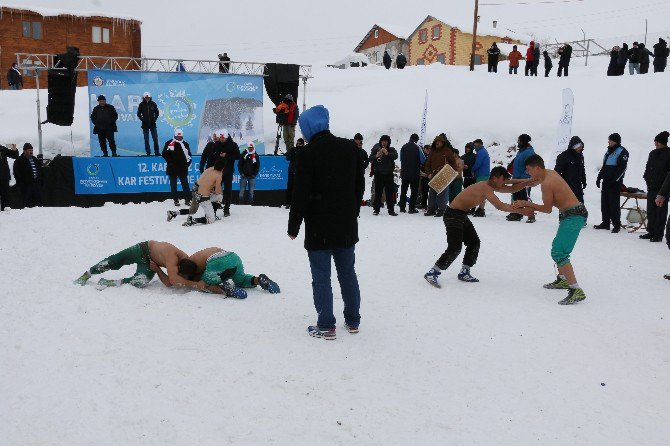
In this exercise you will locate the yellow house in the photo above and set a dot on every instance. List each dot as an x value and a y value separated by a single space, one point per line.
436 41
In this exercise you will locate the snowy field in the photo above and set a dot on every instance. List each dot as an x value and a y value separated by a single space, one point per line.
496 362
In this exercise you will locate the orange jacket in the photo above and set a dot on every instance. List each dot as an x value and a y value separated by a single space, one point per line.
514 58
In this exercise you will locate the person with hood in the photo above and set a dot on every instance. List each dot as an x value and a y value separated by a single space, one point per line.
248 166
525 150
207 151
329 185
410 168
661 53
387 60
177 154
622 59
5 175
287 116
469 158
493 56
613 68
514 57
644 58
548 64
401 61
228 149
634 59
481 171
530 59
536 57
148 113
611 176
441 154
657 169
292 156
28 176
104 117
383 158
570 166
565 53
14 77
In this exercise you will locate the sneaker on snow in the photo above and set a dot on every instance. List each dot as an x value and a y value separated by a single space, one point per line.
188 222
171 215
353 329
83 278
106 283
530 220
667 277
393 214
316 332
574 295
466 277
233 291
558 284
514 217
605 226
176 203
267 284
432 276
226 213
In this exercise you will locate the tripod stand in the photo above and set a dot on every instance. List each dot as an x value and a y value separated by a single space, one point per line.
279 129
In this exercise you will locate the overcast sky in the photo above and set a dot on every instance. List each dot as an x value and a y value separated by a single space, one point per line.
310 31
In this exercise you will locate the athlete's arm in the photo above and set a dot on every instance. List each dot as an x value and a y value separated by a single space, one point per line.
516 186
161 275
546 207
495 201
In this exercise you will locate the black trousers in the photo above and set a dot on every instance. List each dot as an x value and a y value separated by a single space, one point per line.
528 68
413 185
31 195
493 67
4 194
610 203
523 194
644 68
384 184
547 70
460 231
186 191
289 188
562 69
656 216
423 184
103 137
227 184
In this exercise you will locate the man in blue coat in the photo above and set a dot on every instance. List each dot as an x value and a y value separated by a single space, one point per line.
481 171
519 172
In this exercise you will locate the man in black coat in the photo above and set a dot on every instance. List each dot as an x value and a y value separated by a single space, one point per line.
401 61
207 151
536 56
327 196
383 159
148 114
14 78
387 60
104 118
662 200
248 166
224 64
570 166
634 59
611 175
493 54
5 175
622 59
565 53
410 173
657 169
644 58
358 139
28 175
292 155
177 154
660 56
469 158
228 149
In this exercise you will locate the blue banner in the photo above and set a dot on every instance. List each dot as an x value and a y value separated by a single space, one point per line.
199 104
144 174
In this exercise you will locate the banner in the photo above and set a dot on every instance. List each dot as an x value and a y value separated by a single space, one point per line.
198 104
564 124
143 174
422 134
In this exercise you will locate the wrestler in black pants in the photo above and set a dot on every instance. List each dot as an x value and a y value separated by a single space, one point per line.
460 231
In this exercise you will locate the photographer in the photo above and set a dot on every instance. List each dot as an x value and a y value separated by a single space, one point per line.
5 175
287 116
383 159
224 64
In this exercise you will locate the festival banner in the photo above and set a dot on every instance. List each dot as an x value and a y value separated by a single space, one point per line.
197 103
422 134
564 132
143 174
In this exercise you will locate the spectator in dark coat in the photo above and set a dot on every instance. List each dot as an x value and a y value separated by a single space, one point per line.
14 77
207 151
613 67
423 182
227 148
660 56
292 156
401 61
536 58
365 161
493 54
622 59
248 166
177 154
28 175
611 175
5 175
469 159
383 159
387 60
148 114
104 119
644 58
634 59
548 64
662 200
564 53
327 196
410 168
224 64
441 154
570 166
657 169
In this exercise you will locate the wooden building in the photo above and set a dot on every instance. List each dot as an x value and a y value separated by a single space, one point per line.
44 31
382 38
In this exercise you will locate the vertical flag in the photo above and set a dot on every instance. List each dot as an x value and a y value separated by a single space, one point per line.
564 132
422 134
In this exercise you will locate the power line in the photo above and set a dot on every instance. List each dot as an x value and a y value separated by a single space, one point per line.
531 3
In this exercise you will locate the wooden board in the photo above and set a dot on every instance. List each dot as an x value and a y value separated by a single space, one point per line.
443 179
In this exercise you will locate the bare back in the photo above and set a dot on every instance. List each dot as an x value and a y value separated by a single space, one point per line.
200 257
556 191
165 254
471 196
209 181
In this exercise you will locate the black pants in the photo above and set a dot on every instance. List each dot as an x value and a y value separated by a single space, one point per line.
493 67
459 231
384 184
610 203
227 184
154 136
547 70
289 188
644 68
103 137
659 64
528 68
186 191
423 184
523 194
656 216
413 185
31 195
562 69
4 194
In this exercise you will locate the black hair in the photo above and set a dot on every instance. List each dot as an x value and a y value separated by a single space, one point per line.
414 137
478 141
220 164
535 161
187 268
358 136
500 171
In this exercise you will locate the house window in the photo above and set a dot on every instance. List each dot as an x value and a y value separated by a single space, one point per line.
105 35
32 30
420 62
100 35
441 58
376 34
423 36
478 59
437 32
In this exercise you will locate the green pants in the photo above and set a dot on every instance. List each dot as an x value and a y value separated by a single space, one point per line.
135 255
566 238
219 264
289 136
455 188
482 178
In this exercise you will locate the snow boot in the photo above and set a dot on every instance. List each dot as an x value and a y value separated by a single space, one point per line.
413 211
83 279
530 220
605 226
226 213
574 295
189 221
647 236
429 214
316 332
432 276
267 284
233 291
176 203
393 214
616 229
558 284
171 215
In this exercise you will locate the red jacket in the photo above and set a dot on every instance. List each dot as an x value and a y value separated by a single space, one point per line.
514 58
529 53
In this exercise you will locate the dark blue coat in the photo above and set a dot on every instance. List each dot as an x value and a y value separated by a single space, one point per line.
410 162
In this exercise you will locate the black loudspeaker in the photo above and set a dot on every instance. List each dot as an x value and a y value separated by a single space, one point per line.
62 88
280 80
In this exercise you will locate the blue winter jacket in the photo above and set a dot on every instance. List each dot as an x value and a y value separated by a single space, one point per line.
482 167
313 121
520 171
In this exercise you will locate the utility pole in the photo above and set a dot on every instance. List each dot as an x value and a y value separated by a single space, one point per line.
474 37
646 28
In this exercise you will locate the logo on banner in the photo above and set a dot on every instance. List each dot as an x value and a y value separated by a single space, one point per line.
179 109
93 169
231 87
97 81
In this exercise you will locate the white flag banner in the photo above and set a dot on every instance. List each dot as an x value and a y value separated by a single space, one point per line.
422 134
564 132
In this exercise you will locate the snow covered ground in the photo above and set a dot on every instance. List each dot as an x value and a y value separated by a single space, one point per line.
491 363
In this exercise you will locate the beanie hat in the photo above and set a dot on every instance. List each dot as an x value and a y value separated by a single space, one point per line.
524 139
251 145
289 97
178 132
314 120
615 137
102 98
662 138
358 136
27 146
223 133
146 94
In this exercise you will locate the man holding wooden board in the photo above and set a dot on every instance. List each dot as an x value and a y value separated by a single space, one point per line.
441 154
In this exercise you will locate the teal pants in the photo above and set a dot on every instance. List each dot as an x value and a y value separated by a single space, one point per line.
229 261
455 188
135 255
566 238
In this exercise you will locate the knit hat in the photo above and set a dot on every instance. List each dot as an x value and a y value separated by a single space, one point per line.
223 133
146 94
524 139
27 146
358 136
102 98
662 138
314 120
289 97
615 137
178 132
251 145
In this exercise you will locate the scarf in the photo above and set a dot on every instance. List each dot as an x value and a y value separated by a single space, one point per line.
183 148
248 154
